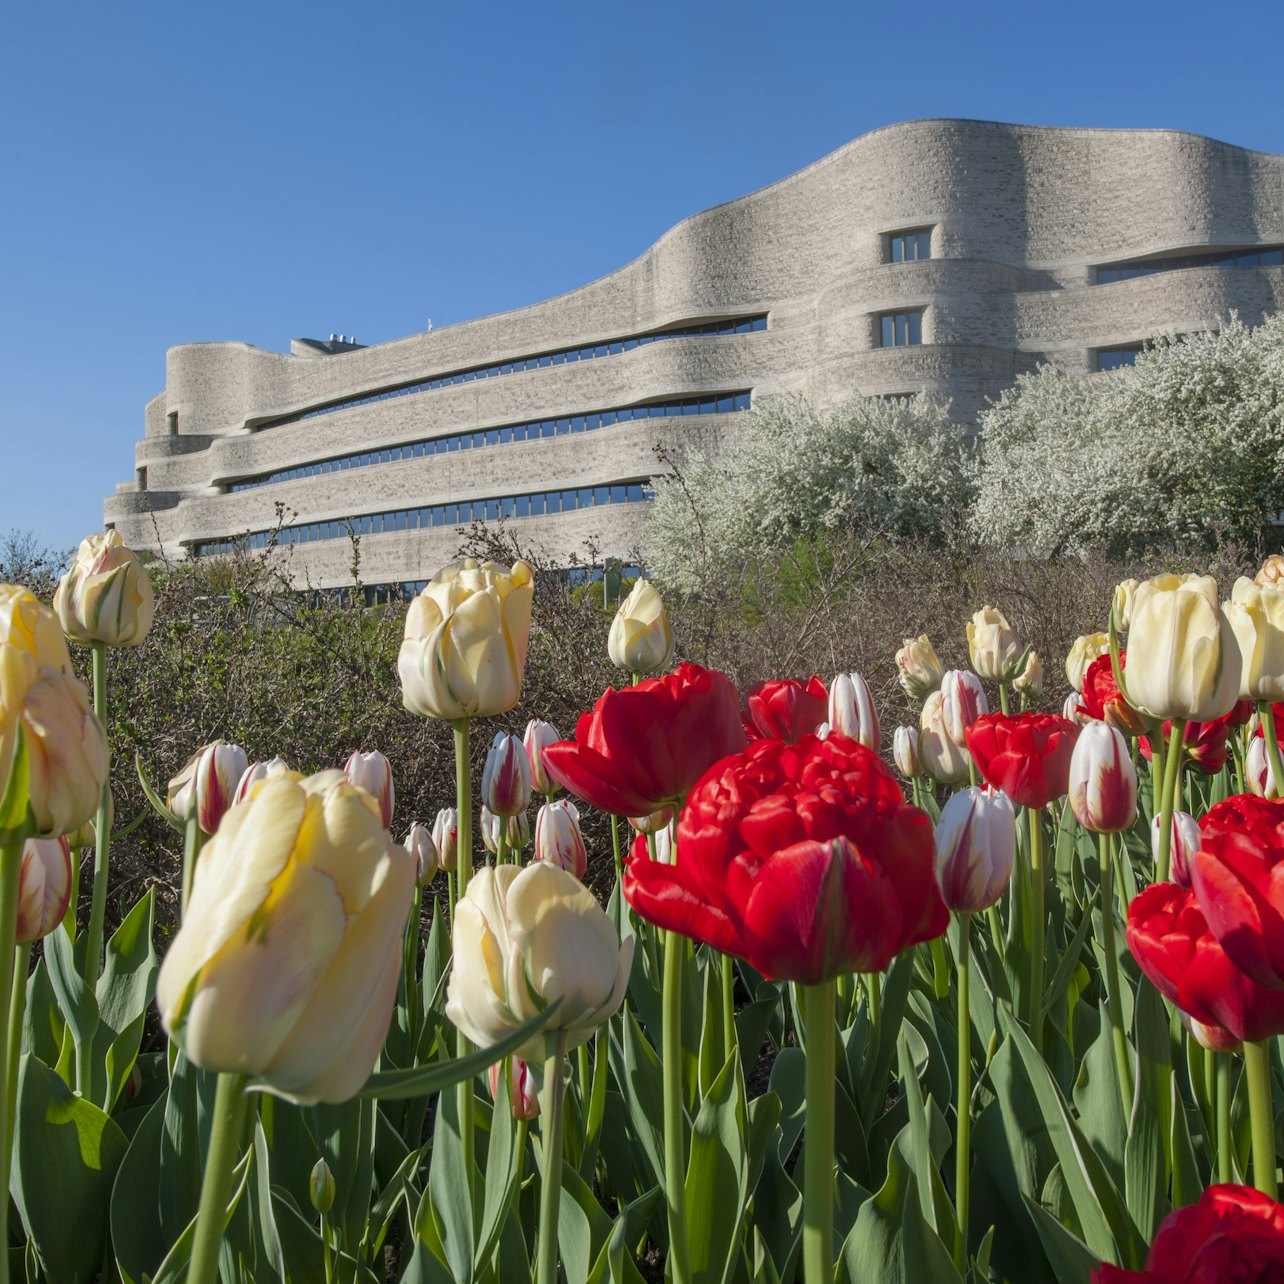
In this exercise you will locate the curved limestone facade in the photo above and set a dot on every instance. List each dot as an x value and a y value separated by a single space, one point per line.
944 256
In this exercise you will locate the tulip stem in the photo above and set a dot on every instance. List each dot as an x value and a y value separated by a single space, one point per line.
10 875
1037 881
1003 698
874 1000
17 1008
193 841
963 1141
102 842
728 1008
1172 766
463 868
818 1149
1261 1112
1123 1066
1266 712
225 1139
551 1190
1225 1171
675 1159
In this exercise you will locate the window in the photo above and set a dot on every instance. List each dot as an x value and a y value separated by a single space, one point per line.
906 247
1262 256
1115 358
902 329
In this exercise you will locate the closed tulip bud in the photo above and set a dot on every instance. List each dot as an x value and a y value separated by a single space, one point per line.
523 1095
942 759
1260 775
465 646
992 644
539 735
44 887
445 838
917 668
653 823
962 703
1183 845
491 829
524 937
286 965
321 1187
1121 604
852 712
663 842
1183 660
1030 679
255 772
1272 571
66 754
1213 1038
905 752
1103 784
640 639
1074 711
373 773
975 848
1083 650
506 777
558 839
207 785
420 845
106 596
1256 615
517 831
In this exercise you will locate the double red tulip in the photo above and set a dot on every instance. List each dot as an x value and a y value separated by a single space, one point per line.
786 710
643 747
803 859
1234 1235
1027 755
1103 700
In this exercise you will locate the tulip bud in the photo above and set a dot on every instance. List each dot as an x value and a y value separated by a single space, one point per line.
1074 711
420 845
1121 604
255 772
942 759
1030 679
490 827
993 645
506 777
653 823
1103 783
1272 571
539 735
1256 615
663 842
1182 847
514 830
523 1094
1083 651
852 712
558 839
1258 772
1213 1038
321 1187
905 752
962 703
640 639
445 838
822 731
918 669
106 595
44 887
517 833
975 848
206 785
373 773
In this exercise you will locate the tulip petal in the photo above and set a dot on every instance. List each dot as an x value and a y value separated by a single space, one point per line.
669 897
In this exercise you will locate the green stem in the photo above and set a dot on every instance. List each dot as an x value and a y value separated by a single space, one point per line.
1225 1172
412 966
874 998
621 909
1266 711
963 1141
1261 1112
551 1190
17 1008
675 1159
1003 697
463 868
193 841
325 1249
1123 1064
1037 881
818 1150
730 1042
225 1137
1172 765
102 838
10 873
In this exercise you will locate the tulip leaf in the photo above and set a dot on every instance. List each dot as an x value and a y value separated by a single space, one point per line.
17 820
1146 1177
155 799
1188 1184
75 1001
717 1178
137 1236
880 1044
501 1173
642 1085
449 1189
1072 1260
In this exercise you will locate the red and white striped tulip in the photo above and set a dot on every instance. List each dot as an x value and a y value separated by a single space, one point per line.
420 845
975 848
514 830
539 735
852 711
44 887
524 1095
962 703
506 777
1073 710
558 839
1259 775
373 773
1183 846
445 838
905 752
255 772
1103 783
206 786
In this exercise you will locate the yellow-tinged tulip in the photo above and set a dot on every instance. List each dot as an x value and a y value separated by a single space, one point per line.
992 644
106 596
1183 660
1031 676
1256 614
917 668
287 962
1272 571
465 644
1122 602
523 938
1083 650
640 639
66 753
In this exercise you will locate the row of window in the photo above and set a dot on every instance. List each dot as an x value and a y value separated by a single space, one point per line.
1266 256
403 519
564 356
530 431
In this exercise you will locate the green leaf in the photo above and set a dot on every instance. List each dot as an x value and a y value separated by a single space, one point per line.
643 1088
75 1001
448 1190
717 1178
501 1176
877 1063
17 822
158 804
1071 1258
1145 1159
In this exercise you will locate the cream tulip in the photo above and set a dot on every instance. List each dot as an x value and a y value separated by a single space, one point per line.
640 640
852 712
106 596
419 844
1030 679
1121 603
66 754
905 752
917 668
992 645
1256 615
942 759
44 887
1083 650
373 773
558 839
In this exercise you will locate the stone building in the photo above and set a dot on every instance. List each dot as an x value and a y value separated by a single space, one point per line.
939 255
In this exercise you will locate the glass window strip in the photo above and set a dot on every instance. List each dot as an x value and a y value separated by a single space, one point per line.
1259 256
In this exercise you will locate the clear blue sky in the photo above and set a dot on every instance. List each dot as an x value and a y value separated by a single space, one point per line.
256 171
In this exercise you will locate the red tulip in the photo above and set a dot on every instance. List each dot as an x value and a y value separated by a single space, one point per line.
803 859
1205 741
1103 700
1027 755
1169 937
785 709
1234 1235
643 747
1238 875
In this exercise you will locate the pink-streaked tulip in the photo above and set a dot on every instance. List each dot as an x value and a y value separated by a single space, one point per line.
255 772
523 1096
905 752
962 703
539 735
1073 710
1183 846
653 823
975 848
917 668
106 596
44 887
514 830
491 829
852 711
558 839
1103 783
942 759
207 785
1083 650
373 773
1258 773
420 845
445 838
66 753
506 777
